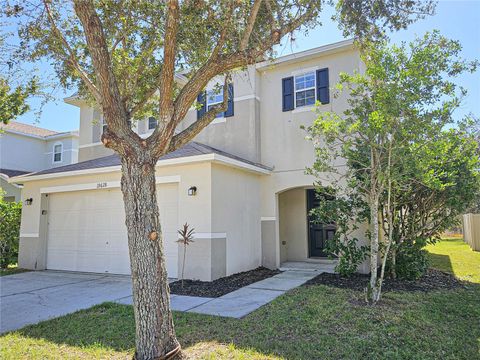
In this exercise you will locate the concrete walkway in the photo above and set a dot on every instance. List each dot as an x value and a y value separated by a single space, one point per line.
31 297
241 302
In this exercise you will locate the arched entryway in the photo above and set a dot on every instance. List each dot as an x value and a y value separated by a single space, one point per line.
301 239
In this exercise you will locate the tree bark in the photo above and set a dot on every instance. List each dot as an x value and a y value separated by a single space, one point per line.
374 245
155 334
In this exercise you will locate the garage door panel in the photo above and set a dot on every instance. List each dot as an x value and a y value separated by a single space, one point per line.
87 232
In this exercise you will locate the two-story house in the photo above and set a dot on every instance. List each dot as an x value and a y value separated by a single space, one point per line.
25 149
241 184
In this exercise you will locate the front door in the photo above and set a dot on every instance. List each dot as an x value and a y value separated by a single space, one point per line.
318 234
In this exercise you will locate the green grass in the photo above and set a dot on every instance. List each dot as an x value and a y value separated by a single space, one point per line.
316 322
454 256
10 270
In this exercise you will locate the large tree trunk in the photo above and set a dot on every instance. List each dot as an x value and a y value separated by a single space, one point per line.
155 335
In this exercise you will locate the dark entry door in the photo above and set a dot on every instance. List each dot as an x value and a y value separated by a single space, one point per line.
318 234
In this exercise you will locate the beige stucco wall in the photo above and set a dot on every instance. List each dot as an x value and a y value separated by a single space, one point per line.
293 225
236 212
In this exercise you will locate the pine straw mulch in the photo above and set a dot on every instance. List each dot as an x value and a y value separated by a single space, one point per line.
221 286
432 280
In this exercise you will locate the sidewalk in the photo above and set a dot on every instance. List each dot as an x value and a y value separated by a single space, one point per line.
241 302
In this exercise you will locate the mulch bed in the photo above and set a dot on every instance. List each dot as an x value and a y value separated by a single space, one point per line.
432 280
221 286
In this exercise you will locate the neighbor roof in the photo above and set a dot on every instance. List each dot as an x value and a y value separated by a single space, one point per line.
11 173
35 131
191 149
28 129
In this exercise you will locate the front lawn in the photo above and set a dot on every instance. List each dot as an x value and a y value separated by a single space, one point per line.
454 256
314 322
311 322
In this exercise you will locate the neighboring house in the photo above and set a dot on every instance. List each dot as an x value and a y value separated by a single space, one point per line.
25 149
241 184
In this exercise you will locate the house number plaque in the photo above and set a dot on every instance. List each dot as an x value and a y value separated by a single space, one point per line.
101 185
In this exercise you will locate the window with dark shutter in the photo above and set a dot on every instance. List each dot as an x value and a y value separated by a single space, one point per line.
287 94
323 91
202 101
214 97
229 111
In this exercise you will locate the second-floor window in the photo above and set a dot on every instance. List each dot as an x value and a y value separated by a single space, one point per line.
305 89
57 153
207 99
152 123
214 97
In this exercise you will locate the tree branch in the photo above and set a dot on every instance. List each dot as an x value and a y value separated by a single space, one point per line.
113 107
194 129
250 24
71 55
168 68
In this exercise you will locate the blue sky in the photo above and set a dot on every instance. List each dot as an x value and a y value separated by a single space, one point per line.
455 19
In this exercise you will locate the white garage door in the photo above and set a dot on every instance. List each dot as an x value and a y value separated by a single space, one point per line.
87 232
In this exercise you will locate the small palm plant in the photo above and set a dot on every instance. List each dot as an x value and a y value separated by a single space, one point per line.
186 238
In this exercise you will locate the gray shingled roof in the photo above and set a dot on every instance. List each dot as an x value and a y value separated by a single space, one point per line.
191 149
11 173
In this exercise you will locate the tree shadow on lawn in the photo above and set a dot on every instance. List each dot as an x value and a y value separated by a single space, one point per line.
311 322
441 262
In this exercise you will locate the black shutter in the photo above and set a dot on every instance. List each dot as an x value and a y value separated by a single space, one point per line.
323 91
202 100
287 94
229 111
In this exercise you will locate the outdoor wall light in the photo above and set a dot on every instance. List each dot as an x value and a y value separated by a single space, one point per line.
192 191
28 201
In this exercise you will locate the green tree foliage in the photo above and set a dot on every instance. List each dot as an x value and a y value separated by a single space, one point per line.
391 149
13 102
13 98
10 214
439 182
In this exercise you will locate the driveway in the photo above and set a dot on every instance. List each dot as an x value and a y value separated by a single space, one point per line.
31 297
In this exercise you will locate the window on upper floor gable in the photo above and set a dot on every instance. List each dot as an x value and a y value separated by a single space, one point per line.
57 153
152 123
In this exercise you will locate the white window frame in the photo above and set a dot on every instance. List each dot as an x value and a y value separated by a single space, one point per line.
221 115
314 87
54 153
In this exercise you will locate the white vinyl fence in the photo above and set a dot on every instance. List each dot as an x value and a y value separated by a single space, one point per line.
471 230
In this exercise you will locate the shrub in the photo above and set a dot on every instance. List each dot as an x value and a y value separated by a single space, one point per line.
411 261
10 214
